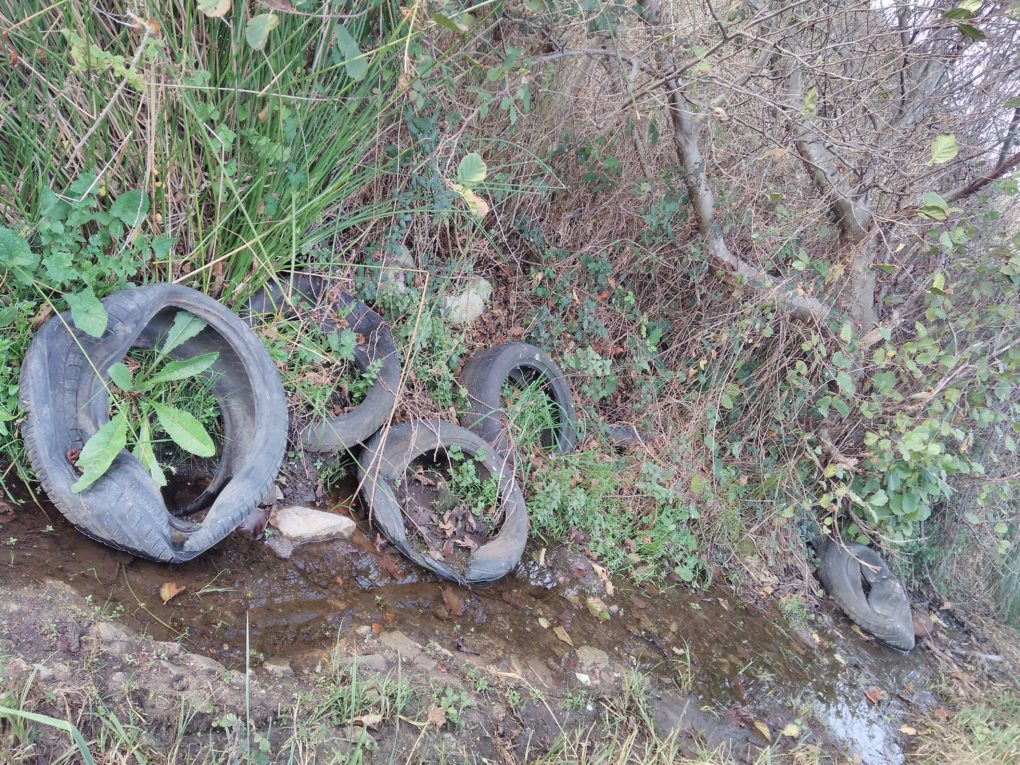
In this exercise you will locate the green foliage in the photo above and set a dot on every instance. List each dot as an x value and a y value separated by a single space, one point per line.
144 401
472 486
646 537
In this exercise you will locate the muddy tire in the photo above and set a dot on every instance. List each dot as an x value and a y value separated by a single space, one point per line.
385 460
66 402
348 430
883 610
484 376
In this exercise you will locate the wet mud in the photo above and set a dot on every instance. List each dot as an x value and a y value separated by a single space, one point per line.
736 663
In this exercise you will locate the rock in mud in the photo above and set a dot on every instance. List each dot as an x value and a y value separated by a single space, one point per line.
302 525
468 304
283 548
592 658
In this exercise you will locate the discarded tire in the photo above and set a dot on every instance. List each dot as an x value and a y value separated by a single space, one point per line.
386 459
348 430
484 376
66 401
861 584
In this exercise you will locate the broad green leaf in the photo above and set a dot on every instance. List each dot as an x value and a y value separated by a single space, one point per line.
846 333
944 149
16 255
879 499
87 313
471 171
121 376
256 32
934 206
100 451
131 207
356 64
214 8
845 383
810 103
1013 103
143 453
970 5
8 315
447 23
181 370
185 430
938 284
841 406
185 327
971 32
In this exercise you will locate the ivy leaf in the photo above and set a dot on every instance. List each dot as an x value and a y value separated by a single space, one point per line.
471 171
214 8
185 430
355 62
162 246
185 327
121 376
944 149
15 254
256 32
87 313
100 451
181 370
971 32
131 207
810 103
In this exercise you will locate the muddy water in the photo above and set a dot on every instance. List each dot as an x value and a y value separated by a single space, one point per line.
742 663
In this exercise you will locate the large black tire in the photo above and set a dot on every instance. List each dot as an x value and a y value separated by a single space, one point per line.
884 610
386 458
484 376
347 431
63 391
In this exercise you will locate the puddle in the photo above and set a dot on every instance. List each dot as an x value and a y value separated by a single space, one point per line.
730 658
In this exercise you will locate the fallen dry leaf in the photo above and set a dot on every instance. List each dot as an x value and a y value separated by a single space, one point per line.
454 603
367 721
874 694
562 635
437 716
791 730
604 576
907 730
543 622
170 590
763 729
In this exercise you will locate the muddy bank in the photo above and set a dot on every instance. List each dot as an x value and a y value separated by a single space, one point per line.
728 670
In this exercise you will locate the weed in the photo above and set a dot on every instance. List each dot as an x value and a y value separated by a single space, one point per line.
453 703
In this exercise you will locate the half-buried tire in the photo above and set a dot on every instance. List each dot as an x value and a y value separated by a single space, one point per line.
63 390
385 460
341 309
485 375
863 587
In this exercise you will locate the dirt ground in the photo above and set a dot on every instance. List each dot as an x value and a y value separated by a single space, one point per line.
404 667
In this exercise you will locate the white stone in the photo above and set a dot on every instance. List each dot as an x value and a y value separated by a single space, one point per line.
301 525
468 304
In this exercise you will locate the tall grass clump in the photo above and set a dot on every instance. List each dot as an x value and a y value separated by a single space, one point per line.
155 142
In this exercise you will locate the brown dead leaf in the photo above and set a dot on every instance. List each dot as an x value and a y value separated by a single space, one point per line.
437 716
874 694
941 714
367 721
763 729
561 633
606 581
791 730
170 590
908 731
454 603
597 609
